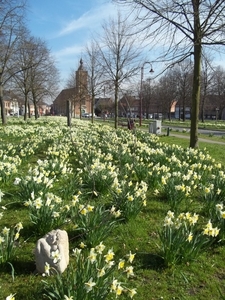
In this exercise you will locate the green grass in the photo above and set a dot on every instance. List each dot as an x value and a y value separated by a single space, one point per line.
215 150
200 279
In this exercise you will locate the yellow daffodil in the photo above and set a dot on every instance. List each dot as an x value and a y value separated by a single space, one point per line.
89 285
82 245
5 231
10 297
55 255
131 257
132 292
68 298
190 237
101 272
119 290
92 256
19 226
121 264
109 256
129 271
100 248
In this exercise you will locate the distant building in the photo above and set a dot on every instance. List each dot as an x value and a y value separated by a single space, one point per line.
78 96
129 106
11 103
104 106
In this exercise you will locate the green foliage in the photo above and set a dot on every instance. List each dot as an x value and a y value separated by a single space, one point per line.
94 223
92 275
182 240
8 239
134 176
46 212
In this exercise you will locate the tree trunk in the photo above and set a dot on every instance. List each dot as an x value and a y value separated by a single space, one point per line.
29 112
2 106
196 77
36 112
195 97
184 111
116 104
92 108
25 107
203 109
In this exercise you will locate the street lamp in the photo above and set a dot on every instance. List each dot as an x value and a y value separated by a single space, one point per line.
142 75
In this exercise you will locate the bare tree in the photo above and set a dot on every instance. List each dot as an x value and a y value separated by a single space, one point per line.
185 27
75 99
44 76
11 26
183 77
167 88
206 84
71 80
38 76
147 96
95 71
119 53
218 91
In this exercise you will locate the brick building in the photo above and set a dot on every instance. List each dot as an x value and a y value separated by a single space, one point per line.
78 96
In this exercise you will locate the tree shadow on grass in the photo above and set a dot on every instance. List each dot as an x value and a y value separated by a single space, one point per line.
18 267
150 261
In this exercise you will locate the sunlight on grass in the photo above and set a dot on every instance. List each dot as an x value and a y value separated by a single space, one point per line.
144 214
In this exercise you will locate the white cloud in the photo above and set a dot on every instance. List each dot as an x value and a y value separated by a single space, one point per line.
90 19
68 51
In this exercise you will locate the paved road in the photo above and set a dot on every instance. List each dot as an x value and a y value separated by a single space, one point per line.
200 139
201 131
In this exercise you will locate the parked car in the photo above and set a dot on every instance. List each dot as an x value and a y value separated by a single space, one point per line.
87 115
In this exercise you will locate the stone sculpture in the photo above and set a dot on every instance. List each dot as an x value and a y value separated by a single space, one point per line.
52 252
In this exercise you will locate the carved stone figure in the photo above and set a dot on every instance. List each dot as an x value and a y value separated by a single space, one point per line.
52 251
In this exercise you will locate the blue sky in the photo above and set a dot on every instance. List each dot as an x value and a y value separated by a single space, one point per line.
66 26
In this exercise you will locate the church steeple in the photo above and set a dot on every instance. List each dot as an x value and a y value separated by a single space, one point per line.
81 65
81 79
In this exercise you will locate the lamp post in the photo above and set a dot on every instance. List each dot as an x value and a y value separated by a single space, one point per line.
142 75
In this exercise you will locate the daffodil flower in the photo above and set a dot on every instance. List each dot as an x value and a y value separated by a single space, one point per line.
82 245
1 240
68 298
47 269
132 292
92 256
10 297
100 248
89 285
121 264
55 255
109 256
5 231
131 257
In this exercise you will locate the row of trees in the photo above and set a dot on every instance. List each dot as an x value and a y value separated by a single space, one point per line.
26 64
182 29
179 30
111 61
175 86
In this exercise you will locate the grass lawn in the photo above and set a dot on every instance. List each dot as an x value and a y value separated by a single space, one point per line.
98 161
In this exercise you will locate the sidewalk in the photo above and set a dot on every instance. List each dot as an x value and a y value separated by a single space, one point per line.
200 139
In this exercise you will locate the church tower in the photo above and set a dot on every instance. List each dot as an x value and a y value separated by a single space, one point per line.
82 81
78 95
82 89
